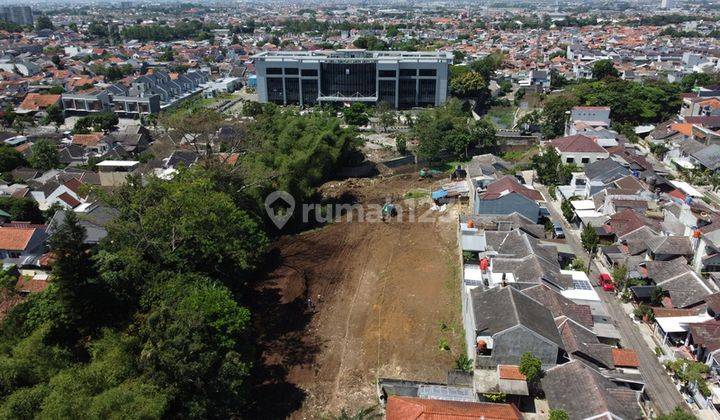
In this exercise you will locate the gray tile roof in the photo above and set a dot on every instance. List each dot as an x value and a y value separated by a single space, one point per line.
709 156
592 394
605 170
501 308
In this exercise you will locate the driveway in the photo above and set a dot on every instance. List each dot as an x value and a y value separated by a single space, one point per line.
660 388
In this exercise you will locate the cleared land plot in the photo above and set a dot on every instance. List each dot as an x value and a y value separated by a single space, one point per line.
384 295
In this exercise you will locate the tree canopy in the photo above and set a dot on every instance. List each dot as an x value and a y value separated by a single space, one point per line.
152 322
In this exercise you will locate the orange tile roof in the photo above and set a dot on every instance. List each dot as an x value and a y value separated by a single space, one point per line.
37 101
31 284
684 128
625 358
712 102
15 238
406 408
511 372
87 139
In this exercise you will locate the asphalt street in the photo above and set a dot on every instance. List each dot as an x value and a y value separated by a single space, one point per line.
660 388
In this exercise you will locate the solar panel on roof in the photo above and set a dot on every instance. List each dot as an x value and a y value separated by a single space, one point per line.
581 285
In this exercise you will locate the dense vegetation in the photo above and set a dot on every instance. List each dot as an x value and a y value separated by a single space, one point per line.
152 322
449 131
157 32
629 102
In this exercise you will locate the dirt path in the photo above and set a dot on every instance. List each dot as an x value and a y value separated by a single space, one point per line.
384 295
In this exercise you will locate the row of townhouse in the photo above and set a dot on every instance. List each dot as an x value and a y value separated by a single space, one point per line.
146 94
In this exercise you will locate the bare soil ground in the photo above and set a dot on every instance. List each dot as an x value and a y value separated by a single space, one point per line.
383 296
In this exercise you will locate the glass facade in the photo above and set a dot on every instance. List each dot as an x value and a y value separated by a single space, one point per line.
347 79
408 92
292 91
275 90
309 91
426 96
387 92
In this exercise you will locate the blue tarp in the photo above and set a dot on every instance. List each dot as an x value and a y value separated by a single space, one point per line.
436 195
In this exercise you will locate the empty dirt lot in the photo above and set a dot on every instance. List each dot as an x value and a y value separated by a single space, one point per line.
383 295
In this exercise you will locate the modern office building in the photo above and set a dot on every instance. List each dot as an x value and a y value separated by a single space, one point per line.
19 15
401 78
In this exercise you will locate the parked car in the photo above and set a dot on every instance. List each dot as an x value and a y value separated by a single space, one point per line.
606 282
558 231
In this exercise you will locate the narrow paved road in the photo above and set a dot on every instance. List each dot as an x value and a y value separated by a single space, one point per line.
660 388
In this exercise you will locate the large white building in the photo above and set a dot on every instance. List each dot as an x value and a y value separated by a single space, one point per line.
402 79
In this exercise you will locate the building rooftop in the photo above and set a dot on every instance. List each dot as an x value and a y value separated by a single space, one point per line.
355 55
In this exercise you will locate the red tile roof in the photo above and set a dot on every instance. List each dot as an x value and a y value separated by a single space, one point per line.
69 200
508 184
407 408
577 143
511 372
625 358
37 101
15 238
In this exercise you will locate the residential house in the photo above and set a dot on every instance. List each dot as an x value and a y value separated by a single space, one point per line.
406 408
593 395
21 244
579 149
503 323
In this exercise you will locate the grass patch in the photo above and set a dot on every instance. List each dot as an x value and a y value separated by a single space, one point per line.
416 194
501 116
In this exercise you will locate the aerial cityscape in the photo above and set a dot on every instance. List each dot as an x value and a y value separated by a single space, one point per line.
404 209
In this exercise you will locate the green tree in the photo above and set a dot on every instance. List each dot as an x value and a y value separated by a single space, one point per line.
470 85
531 367
547 165
252 108
589 239
73 274
194 344
619 275
484 135
21 209
9 115
558 415
567 210
54 116
554 114
10 158
604 68
678 413
43 22
356 114
384 114
44 155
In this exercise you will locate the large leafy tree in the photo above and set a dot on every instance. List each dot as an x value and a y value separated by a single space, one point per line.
195 344
554 114
604 68
44 155
589 238
10 158
187 225
21 209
